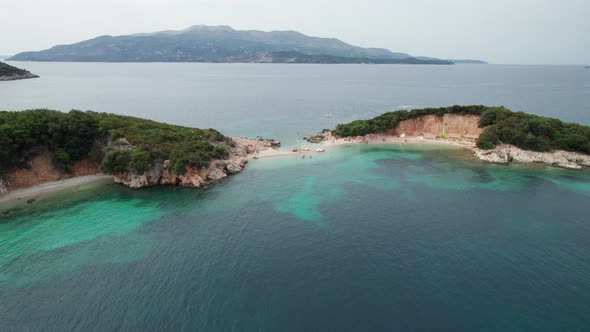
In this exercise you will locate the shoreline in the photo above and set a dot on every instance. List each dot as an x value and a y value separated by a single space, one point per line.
260 152
502 154
34 192
385 140
50 187
18 77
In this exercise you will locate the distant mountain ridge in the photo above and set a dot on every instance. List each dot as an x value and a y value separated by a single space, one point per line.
202 43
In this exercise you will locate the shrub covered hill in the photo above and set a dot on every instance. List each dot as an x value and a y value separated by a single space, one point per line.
8 72
500 125
119 143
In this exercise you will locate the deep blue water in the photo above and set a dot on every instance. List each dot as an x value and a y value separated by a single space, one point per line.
361 238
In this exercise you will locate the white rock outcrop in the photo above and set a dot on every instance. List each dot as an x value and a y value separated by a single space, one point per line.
505 153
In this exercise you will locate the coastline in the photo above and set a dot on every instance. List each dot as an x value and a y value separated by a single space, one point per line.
502 154
18 77
50 187
258 149
386 140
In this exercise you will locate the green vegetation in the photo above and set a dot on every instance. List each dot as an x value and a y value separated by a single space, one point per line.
8 70
531 132
526 131
127 143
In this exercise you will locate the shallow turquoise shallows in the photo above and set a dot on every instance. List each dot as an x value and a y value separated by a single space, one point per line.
365 237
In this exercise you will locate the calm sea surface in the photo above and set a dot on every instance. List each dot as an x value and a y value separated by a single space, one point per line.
360 238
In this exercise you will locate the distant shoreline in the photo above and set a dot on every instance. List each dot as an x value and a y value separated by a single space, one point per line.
18 77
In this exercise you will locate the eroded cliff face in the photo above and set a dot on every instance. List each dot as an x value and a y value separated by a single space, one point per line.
162 174
448 125
41 169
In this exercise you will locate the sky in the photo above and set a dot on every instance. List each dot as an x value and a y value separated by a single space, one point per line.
498 31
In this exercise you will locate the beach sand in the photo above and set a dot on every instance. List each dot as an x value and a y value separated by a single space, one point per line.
45 188
393 140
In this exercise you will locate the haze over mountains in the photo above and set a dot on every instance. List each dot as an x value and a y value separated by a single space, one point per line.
221 44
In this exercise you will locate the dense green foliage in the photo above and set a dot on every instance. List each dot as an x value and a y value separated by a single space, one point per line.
390 120
71 135
135 144
8 70
531 132
116 160
160 141
526 131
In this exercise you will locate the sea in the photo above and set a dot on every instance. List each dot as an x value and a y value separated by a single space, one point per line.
359 238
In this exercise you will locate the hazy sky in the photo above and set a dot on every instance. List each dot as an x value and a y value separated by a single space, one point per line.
499 31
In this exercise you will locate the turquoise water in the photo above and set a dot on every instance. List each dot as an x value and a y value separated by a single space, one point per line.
359 238
365 237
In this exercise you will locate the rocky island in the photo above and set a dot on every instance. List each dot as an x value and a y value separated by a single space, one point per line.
494 134
42 146
11 73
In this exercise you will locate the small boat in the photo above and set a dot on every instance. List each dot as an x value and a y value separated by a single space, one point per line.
329 115
319 150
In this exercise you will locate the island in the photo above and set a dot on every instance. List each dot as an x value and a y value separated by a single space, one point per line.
494 134
11 73
222 44
41 146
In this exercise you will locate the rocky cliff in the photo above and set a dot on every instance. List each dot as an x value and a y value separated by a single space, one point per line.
194 177
505 153
162 174
448 125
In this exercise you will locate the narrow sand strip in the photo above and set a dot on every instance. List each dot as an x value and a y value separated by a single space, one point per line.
35 191
334 143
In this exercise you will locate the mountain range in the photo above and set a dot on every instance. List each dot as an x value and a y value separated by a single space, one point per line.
221 44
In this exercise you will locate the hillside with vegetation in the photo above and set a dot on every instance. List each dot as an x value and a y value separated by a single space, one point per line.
119 143
500 125
8 70
221 44
9 73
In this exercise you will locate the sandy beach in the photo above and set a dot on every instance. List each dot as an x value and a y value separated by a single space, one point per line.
386 139
376 139
45 188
